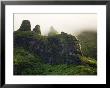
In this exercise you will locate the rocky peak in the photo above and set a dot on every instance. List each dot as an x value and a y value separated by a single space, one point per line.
37 29
25 26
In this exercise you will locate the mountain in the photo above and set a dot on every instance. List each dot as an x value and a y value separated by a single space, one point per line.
58 49
56 54
88 41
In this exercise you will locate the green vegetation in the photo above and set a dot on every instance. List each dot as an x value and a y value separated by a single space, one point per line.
25 62
88 41
64 69
89 61
28 64
29 34
55 54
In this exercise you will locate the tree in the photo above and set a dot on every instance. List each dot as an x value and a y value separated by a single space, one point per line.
52 31
37 29
25 26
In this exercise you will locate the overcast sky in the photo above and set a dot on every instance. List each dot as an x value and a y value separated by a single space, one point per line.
69 23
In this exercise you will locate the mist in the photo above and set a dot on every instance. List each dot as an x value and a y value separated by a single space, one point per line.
69 23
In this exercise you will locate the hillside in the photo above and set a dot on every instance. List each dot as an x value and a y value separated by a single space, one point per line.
58 54
88 41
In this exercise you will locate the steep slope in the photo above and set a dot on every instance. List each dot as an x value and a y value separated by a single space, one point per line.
88 41
58 49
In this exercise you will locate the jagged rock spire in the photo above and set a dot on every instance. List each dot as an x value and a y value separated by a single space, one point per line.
37 29
25 26
52 31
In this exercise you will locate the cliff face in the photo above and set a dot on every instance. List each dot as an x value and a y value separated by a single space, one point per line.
58 49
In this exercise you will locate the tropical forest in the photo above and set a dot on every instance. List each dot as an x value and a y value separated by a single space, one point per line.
55 53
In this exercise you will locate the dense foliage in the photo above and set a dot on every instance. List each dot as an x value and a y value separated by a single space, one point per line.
25 63
56 54
58 49
88 41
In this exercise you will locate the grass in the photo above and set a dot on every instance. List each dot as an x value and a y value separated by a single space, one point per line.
69 70
89 61
27 64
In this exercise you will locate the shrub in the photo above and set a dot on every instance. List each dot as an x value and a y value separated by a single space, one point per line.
25 62
89 61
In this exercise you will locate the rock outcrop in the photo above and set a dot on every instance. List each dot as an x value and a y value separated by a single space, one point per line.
37 29
25 26
58 49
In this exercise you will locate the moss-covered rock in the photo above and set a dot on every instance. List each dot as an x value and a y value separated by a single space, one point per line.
58 49
25 26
